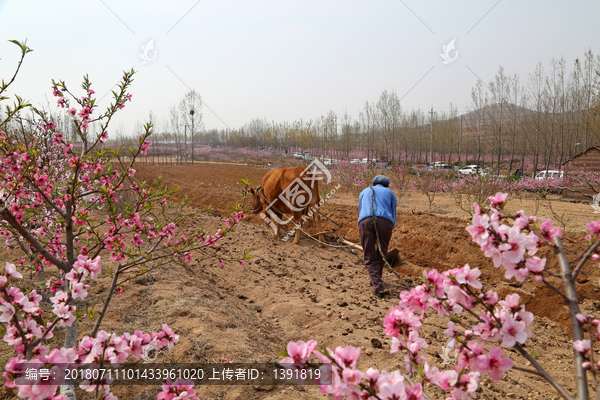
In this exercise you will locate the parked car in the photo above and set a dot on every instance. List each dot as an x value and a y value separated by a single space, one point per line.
439 165
355 161
548 174
364 161
492 172
299 155
470 170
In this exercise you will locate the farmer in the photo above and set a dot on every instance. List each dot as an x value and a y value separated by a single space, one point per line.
384 204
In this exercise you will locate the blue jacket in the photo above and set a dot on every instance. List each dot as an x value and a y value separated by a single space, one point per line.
385 203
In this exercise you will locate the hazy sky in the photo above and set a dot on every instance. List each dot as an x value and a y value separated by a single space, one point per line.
286 60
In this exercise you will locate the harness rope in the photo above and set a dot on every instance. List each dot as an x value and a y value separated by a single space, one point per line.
255 196
377 234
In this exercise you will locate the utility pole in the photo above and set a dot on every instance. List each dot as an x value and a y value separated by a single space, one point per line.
334 139
431 137
192 114
460 140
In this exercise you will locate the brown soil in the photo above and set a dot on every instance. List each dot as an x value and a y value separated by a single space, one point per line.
286 292
426 238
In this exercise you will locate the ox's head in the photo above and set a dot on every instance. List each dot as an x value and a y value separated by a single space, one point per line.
257 200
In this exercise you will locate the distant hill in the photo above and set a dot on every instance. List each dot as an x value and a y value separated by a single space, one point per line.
504 112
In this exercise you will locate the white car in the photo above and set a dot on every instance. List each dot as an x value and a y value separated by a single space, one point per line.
439 165
355 161
548 174
470 170
492 173
298 155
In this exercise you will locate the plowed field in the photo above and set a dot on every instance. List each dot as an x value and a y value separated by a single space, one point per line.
287 292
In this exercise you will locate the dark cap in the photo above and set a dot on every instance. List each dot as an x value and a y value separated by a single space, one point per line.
381 180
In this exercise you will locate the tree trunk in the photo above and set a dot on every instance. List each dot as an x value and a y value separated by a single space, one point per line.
68 388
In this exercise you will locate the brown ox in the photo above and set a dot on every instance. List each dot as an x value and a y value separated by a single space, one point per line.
284 191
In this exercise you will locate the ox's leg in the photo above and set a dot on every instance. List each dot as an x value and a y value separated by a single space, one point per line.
298 222
317 218
275 227
272 225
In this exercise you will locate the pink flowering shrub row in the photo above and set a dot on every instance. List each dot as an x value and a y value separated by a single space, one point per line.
210 153
235 154
401 178
542 187
481 323
355 177
584 181
469 189
432 181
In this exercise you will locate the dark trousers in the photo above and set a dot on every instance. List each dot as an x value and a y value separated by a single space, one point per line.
368 239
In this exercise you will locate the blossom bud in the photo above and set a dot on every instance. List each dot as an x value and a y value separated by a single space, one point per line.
586 365
581 318
490 298
468 334
582 346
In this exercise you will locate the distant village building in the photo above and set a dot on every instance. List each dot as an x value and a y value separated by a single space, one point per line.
589 160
